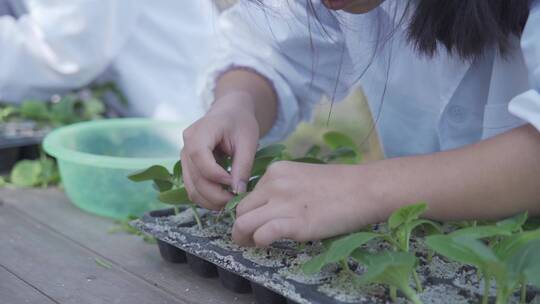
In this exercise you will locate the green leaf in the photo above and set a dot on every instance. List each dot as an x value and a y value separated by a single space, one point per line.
338 250
233 203
514 223
525 258
273 151
509 245
49 172
175 197
337 140
153 173
466 250
26 173
3 182
313 151
261 164
65 112
162 186
481 232
34 109
92 108
309 160
391 268
406 214
533 275
344 155
177 171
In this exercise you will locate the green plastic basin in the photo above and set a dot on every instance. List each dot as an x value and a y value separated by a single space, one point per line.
95 158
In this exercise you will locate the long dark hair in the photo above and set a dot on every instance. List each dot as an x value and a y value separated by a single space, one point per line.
466 27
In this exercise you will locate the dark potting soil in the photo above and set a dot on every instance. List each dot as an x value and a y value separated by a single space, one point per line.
275 274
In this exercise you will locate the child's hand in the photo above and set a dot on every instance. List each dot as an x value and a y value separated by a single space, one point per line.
306 202
230 127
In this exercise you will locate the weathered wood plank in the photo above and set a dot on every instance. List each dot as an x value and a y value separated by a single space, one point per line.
53 209
15 291
65 271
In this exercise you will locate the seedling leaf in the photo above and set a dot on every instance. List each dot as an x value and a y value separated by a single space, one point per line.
177 196
152 173
337 140
338 250
34 109
273 151
261 164
233 203
177 171
26 173
514 223
162 186
313 151
406 214
391 268
481 232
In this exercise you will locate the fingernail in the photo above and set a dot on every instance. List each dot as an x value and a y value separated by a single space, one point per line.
241 187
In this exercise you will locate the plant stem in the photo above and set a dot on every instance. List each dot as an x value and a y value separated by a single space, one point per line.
393 294
417 281
411 295
502 295
523 294
176 210
197 216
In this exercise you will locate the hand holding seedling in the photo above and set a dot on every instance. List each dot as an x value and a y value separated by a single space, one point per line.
231 131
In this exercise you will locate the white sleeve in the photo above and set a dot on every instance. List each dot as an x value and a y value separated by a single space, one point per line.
62 44
298 52
527 105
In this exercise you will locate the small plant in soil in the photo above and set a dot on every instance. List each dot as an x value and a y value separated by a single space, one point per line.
42 172
502 252
170 186
398 232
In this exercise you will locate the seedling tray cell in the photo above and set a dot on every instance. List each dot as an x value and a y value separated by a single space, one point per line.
21 134
274 276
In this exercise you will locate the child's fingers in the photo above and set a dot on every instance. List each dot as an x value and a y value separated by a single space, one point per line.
276 229
246 225
213 195
205 163
245 147
253 200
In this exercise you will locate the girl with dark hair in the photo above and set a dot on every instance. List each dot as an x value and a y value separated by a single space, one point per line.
454 87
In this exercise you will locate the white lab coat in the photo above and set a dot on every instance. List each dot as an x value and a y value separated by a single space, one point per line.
429 104
152 49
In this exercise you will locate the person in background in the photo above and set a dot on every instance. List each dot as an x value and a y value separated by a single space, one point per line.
453 85
153 50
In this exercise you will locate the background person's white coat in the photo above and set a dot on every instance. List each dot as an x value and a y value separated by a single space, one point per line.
429 104
152 49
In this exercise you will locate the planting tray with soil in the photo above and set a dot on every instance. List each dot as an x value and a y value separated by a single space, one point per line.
274 274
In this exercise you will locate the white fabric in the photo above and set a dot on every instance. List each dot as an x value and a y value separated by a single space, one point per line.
429 104
153 49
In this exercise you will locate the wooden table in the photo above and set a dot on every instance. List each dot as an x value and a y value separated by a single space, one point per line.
48 252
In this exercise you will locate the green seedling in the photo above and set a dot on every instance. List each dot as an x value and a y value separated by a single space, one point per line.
338 250
35 173
508 261
344 150
401 225
170 187
230 207
389 268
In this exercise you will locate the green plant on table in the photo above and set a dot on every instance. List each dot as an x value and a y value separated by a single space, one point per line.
502 252
34 173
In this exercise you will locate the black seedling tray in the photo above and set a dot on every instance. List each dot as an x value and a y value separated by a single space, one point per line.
273 274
